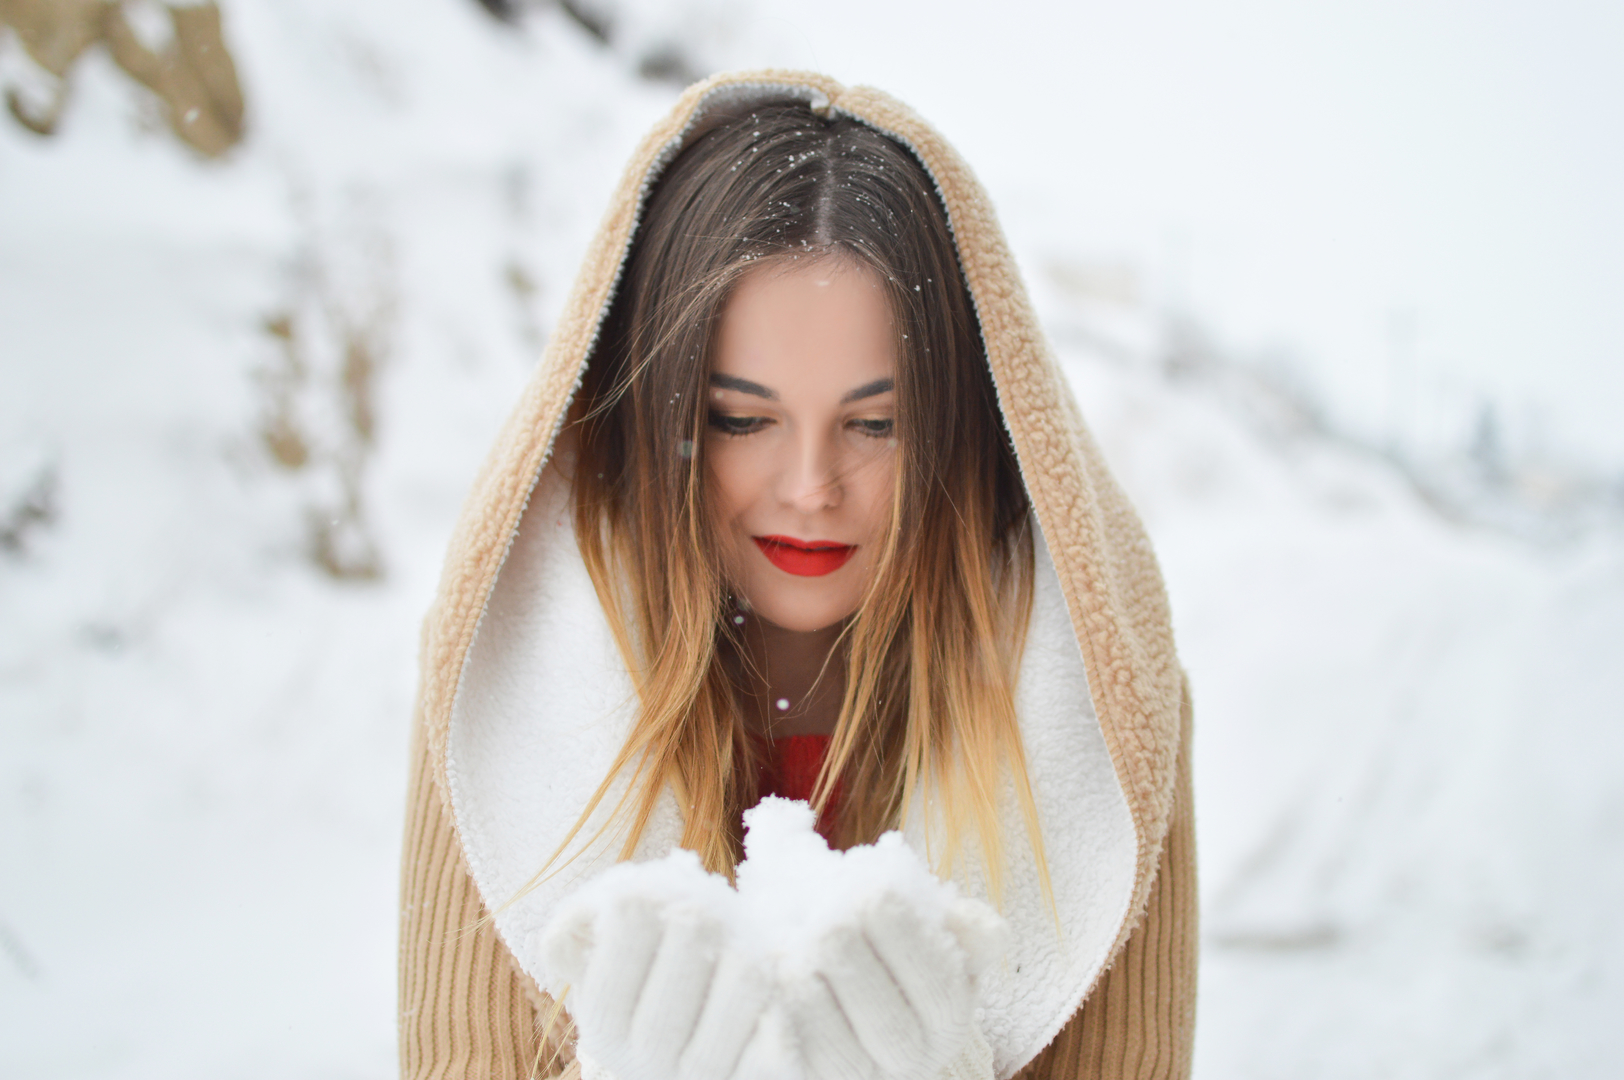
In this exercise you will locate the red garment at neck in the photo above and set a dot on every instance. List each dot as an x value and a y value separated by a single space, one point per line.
790 768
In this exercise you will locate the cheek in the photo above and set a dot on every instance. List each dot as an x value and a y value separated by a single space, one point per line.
734 475
874 487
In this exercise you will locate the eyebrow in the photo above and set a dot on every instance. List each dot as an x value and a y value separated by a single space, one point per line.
743 386
868 390
755 389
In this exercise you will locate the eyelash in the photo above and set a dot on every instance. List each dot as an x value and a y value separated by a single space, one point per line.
748 425
736 425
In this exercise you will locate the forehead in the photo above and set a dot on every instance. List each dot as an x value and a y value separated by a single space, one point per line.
807 327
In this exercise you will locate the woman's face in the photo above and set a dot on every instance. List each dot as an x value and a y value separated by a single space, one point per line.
800 450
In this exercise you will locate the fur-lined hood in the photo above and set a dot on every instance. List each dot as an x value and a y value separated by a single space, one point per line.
525 700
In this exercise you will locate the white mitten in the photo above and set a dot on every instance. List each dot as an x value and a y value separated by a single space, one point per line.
879 960
893 992
655 987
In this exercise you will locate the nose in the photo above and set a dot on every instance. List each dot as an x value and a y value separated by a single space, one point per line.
810 480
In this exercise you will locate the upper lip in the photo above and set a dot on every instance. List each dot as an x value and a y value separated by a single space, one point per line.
805 545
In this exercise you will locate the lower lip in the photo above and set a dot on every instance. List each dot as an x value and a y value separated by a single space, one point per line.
804 560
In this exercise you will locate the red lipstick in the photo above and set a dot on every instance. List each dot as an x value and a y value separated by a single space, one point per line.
804 558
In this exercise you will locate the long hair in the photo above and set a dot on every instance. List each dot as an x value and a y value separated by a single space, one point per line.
928 715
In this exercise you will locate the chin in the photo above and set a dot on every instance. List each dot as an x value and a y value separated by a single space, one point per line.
801 614
801 626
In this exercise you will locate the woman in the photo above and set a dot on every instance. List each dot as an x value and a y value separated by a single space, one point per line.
803 507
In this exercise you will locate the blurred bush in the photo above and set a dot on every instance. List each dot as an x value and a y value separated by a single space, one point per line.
176 52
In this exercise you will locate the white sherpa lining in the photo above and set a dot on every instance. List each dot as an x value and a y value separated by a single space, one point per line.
544 702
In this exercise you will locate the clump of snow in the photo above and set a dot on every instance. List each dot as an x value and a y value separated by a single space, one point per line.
800 914
796 888
792 889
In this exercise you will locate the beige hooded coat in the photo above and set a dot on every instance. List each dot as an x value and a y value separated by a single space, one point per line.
524 700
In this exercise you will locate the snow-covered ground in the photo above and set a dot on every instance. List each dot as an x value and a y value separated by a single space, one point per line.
1408 752
1410 732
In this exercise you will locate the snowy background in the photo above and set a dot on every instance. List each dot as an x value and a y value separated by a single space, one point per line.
1338 293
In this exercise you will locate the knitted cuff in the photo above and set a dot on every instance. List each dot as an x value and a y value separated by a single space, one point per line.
975 1063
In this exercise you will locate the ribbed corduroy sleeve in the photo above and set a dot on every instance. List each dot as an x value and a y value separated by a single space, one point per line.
1140 1020
466 1010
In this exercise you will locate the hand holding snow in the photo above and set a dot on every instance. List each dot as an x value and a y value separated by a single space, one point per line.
822 964
654 987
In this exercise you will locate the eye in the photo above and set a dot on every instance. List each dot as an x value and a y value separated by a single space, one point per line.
874 427
736 425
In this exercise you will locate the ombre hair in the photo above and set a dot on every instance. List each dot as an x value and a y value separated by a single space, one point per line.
927 723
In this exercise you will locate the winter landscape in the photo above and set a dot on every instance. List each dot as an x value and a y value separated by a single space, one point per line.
248 368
